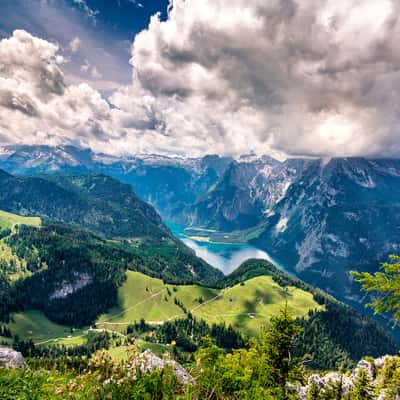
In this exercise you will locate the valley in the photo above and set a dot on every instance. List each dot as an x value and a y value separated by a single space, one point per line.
222 250
199 200
316 219
84 257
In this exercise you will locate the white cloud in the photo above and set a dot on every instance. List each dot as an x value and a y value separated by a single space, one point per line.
278 77
92 70
85 66
90 12
37 106
96 73
74 44
285 76
136 3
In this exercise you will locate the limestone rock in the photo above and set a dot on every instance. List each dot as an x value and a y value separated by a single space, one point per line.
148 361
322 382
10 358
368 366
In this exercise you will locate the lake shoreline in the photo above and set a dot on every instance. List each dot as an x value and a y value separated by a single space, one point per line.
224 256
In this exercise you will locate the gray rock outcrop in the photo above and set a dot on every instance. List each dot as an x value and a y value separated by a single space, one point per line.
325 382
148 361
10 358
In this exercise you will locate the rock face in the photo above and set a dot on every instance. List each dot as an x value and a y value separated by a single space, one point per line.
148 361
324 382
10 358
337 215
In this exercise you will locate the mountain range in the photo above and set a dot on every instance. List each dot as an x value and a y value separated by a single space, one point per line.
80 248
320 217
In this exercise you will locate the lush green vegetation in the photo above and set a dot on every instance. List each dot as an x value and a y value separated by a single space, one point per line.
9 220
149 298
97 202
339 336
385 284
333 334
246 307
77 278
265 369
59 257
110 209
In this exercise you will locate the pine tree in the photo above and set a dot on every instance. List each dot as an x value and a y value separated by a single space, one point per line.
363 389
386 284
278 347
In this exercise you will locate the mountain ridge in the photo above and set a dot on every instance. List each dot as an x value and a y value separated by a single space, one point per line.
319 217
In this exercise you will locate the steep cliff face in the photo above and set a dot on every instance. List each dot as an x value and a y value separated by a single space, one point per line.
335 217
245 194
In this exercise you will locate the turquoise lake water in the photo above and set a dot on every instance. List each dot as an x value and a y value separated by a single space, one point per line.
224 256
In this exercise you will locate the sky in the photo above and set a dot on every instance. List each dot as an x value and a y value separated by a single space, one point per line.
192 77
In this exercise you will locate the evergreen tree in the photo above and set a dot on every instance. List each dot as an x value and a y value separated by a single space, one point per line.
386 284
278 346
363 389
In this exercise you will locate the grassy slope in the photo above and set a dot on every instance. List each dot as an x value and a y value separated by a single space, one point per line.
9 220
145 297
35 325
247 307
250 307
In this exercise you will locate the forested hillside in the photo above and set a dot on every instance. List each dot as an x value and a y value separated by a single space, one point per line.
97 202
73 275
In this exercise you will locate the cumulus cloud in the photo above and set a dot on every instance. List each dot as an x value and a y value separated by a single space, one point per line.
37 106
91 69
289 76
284 77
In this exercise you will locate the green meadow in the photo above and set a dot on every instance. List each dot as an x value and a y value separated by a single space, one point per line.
9 220
248 307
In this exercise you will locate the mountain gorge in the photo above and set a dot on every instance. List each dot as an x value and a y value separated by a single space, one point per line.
320 218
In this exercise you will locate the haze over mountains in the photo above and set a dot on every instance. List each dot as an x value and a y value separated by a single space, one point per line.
320 218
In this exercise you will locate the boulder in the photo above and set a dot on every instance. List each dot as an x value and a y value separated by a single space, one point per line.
148 361
368 366
10 358
322 382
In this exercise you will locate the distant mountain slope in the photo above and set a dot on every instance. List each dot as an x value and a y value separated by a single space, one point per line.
243 194
320 218
169 183
97 202
107 207
337 216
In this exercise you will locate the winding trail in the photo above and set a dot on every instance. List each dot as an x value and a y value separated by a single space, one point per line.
106 322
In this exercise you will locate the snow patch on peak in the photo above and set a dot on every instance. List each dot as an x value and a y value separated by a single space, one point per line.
282 225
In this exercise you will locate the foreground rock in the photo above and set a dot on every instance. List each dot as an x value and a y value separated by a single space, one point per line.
375 371
10 358
148 361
